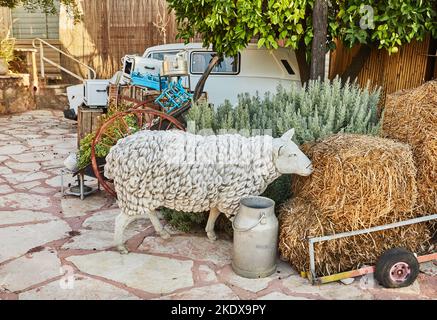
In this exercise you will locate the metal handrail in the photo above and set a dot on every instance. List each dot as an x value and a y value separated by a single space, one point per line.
91 71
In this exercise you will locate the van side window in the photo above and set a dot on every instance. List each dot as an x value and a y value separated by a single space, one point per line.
161 54
287 66
201 59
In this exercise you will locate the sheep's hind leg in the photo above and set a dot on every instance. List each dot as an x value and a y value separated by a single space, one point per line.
157 225
213 215
121 222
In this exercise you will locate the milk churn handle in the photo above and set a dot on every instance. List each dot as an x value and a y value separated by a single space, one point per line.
263 215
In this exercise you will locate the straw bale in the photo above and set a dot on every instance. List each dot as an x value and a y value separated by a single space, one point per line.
301 219
358 182
411 117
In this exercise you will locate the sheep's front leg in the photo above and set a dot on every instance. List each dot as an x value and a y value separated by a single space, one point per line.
121 223
213 215
157 225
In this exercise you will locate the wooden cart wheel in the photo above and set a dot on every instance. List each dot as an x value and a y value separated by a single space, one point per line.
145 101
122 125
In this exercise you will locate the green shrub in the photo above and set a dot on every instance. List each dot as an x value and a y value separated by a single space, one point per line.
279 190
7 46
84 152
183 221
113 133
314 111
187 221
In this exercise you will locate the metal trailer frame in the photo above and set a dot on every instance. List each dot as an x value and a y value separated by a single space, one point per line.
312 275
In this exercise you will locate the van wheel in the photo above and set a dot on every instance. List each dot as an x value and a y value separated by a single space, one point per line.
397 268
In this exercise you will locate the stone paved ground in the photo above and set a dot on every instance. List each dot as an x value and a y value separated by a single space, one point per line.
54 247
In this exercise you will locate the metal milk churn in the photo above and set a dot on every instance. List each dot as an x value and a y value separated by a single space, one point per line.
255 238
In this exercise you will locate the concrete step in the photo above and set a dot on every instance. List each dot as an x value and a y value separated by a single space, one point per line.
57 89
57 85
51 72
48 82
52 96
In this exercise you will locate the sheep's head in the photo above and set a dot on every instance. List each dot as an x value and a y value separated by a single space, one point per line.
288 158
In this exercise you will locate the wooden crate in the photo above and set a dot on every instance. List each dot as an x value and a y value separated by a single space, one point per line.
87 122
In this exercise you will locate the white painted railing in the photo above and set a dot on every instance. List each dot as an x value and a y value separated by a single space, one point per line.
41 44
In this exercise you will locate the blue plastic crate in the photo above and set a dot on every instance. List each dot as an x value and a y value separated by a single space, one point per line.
148 81
173 97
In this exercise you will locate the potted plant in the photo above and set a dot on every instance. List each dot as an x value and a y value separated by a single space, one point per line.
7 46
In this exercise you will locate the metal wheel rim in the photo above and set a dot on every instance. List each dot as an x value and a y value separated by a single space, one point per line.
400 272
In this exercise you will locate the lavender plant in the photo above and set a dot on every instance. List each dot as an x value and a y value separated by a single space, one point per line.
315 111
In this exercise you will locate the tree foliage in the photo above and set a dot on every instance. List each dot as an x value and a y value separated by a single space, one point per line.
394 22
47 6
229 25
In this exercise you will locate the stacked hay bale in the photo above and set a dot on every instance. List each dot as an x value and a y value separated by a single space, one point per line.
411 117
358 182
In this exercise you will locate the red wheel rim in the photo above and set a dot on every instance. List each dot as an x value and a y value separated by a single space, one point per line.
145 102
148 118
400 272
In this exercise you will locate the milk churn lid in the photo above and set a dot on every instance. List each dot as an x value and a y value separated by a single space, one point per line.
257 202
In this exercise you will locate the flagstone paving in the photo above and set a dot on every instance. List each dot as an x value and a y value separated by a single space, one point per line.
59 247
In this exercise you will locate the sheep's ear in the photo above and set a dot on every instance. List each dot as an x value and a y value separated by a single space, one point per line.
288 135
277 146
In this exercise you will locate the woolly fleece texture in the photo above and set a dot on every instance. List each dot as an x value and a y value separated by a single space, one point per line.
188 172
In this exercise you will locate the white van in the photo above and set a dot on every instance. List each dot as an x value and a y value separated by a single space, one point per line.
253 70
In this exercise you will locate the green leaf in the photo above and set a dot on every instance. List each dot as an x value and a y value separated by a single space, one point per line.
261 42
299 28
274 44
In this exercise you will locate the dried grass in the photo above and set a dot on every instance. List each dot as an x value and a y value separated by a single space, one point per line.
300 219
426 162
411 117
358 182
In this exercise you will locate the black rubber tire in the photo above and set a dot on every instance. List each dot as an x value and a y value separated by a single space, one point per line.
388 259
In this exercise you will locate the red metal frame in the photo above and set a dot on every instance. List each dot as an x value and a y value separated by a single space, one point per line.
364 271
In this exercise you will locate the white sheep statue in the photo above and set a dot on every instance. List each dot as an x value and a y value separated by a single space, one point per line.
195 173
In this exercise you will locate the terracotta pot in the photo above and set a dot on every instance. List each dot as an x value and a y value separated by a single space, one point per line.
4 68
